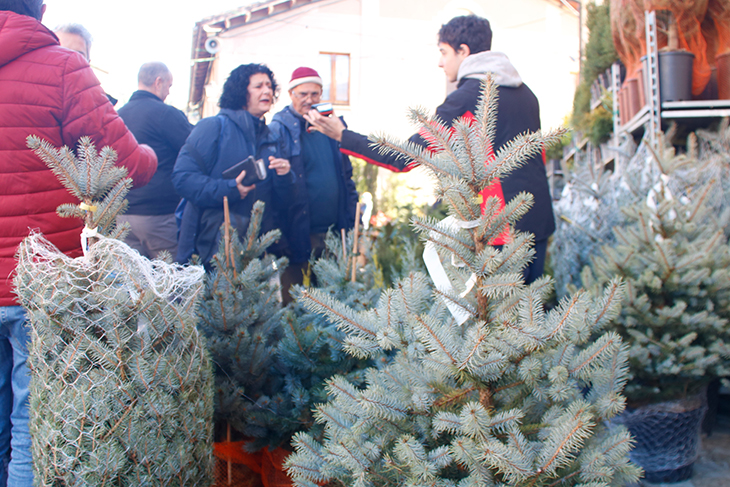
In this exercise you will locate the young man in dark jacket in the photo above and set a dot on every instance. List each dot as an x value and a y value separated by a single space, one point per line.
51 92
151 212
326 196
466 58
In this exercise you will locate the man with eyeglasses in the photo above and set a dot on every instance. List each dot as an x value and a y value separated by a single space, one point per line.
325 192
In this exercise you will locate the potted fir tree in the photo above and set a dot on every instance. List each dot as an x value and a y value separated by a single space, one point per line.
675 64
673 254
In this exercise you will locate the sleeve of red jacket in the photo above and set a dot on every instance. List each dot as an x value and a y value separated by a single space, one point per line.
357 145
87 111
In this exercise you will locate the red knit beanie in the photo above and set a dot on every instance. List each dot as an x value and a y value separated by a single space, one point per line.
304 75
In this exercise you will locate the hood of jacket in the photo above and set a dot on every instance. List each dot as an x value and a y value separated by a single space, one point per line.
21 34
476 66
292 122
249 125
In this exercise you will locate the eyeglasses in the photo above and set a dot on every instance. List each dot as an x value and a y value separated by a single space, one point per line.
301 95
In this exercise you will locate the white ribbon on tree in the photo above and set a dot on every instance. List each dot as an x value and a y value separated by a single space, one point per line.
438 274
86 234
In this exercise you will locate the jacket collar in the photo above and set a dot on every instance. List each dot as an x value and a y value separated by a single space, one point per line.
144 94
289 117
478 65
21 34
247 123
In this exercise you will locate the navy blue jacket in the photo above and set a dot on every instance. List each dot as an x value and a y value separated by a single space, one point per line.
287 126
164 128
222 141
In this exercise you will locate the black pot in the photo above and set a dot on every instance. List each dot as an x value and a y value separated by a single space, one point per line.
675 75
667 437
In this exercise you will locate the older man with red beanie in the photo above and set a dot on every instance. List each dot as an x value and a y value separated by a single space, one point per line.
51 92
326 196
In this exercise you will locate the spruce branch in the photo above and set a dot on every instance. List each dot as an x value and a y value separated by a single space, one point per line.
487 113
60 161
100 188
316 301
439 136
415 154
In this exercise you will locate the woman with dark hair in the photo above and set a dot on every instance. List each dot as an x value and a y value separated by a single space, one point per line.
220 142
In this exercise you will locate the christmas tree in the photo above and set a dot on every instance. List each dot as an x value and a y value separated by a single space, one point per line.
121 384
482 387
714 163
588 208
311 349
241 316
672 252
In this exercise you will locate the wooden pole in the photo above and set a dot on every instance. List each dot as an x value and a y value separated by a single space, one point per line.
227 229
227 235
355 236
344 246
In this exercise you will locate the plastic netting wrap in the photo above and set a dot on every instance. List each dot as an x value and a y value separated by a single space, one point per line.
627 29
589 208
667 437
591 201
719 12
121 386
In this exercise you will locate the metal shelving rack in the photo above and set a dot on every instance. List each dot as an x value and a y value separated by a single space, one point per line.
654 112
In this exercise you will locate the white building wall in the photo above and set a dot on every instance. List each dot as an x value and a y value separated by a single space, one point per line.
392 47
393 55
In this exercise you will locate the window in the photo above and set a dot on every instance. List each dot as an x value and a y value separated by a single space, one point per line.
334 69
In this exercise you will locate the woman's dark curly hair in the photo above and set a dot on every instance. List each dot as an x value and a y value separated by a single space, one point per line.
235 89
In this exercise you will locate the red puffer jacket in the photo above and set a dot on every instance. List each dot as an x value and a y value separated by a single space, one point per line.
50 92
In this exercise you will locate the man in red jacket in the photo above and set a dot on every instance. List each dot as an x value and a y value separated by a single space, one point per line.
51 92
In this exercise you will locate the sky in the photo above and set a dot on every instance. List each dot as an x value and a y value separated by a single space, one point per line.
131 32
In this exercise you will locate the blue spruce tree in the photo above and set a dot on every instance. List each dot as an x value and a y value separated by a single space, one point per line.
483 386
241 316
311 349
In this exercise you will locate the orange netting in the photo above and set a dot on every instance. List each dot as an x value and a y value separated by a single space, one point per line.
719 12
238 468
703 28
627 30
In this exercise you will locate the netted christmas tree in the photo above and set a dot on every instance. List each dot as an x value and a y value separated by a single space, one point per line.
484 387
591 201
121 383
584 214
672 252
714 157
